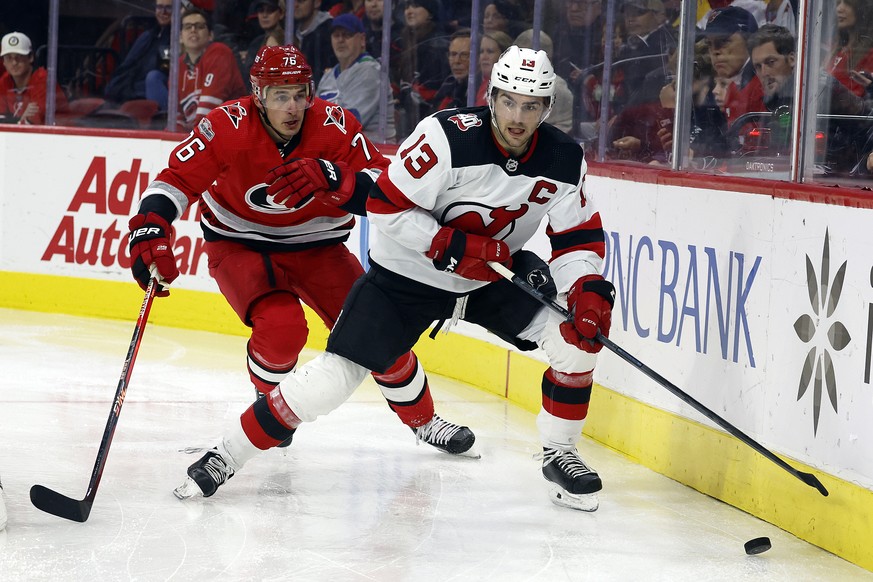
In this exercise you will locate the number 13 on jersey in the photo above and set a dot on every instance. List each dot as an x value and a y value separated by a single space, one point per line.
418 158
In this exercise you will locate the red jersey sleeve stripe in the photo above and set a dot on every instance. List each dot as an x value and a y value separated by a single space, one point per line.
386 198
588 236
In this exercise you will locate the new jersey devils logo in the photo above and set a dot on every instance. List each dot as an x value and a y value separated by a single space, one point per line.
495 223
335 116
465 121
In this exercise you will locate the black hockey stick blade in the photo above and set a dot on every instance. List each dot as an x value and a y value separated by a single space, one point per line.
807 478
53 502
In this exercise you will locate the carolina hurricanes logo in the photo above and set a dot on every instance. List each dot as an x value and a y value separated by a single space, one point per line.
258 199
496 223
335 116
235 112
465 121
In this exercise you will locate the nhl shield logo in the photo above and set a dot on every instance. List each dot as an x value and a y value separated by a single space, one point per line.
511 165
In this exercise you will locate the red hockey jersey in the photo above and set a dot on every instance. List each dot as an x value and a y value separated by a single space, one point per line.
223 162
206 84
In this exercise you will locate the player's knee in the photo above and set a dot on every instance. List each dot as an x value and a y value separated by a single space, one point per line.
279 330
321 385
563 356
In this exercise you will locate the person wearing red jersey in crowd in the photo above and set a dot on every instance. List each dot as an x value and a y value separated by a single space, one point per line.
23 88
208 71
851 59
276 175
468 189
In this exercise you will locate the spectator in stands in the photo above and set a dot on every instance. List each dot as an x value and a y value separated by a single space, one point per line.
491 46
781 13
372 20
578 39
275 37
504 16
312 31
772 50
355 7
271 17
354 82
233 25
851 61
143 72
707 139
726 33
208 71
453 92
23 88
720 91
643 132
647 47
423 65
562 109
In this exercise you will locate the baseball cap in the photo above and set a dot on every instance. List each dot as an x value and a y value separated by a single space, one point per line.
275 4
726 21
15 42
653 5
348 21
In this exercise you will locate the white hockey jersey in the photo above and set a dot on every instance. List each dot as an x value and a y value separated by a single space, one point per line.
451 172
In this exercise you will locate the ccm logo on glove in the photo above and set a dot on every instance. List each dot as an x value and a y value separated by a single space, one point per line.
590 300
467 255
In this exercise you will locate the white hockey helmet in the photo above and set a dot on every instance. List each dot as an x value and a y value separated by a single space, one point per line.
524 71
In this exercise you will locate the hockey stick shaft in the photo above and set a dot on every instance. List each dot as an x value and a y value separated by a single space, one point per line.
807 478
75 510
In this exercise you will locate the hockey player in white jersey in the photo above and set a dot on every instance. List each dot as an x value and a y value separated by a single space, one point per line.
468 186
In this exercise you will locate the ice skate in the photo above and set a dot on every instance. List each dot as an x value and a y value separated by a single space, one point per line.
286 442
206 475
447 437
574 484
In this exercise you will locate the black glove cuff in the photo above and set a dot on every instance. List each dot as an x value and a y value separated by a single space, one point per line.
603 288
454 252
332 174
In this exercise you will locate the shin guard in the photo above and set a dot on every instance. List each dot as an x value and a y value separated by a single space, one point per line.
269 421
404 386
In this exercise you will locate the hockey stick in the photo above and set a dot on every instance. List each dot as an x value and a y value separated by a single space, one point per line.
531 290
53 502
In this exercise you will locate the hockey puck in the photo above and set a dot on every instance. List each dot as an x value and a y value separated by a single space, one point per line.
757 546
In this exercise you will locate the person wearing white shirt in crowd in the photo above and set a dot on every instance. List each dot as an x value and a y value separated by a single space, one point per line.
354 82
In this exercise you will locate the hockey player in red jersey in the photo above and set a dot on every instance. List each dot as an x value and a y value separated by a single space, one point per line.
276 175
469 186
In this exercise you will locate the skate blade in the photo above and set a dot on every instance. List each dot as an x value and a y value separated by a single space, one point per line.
580 502
471 453
187 489
195 450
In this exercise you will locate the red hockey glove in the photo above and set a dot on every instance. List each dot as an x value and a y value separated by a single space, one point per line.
150 243
467 255
591 299
295 182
